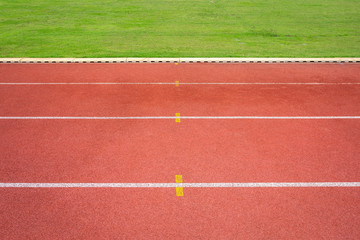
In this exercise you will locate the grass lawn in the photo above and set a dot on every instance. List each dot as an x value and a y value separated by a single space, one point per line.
180 28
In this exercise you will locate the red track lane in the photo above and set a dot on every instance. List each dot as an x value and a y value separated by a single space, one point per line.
200 150
183 72
166 100
288 213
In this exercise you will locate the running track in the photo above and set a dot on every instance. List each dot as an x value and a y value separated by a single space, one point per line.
116 124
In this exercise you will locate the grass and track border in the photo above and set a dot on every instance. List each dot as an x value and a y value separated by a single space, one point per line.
179 60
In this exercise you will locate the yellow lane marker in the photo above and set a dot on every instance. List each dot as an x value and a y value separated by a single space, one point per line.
177 119
177 83
179 190
176 63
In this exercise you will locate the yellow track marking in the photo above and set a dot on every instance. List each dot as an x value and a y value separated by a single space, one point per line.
177 83
179 190
178 117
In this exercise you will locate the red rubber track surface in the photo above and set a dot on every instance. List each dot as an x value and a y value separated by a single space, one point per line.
166 100
201 150
182 72
287 213
206 150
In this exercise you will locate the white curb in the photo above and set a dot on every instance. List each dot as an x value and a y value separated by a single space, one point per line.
179 60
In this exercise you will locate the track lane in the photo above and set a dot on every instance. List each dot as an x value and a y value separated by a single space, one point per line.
166 100
165 72
310 213
201 151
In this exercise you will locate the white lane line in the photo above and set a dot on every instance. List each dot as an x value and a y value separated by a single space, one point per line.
274 83
173 185
178 60
173 83
89 83
173 117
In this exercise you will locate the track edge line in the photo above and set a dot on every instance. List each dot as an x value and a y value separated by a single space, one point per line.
179 60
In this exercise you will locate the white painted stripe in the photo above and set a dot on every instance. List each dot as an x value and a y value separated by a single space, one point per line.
173 117
173 185
88 83
182 60
272 83
173 83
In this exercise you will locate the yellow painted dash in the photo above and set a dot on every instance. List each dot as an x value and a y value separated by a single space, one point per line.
179 190
177 83
178 178
177 119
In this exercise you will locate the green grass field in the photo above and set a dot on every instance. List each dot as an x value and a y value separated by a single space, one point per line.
179 28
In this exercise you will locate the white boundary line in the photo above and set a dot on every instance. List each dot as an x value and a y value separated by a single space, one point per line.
173 185
179 60
173 83
171 117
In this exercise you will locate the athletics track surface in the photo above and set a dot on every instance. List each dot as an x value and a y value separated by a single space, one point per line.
271 139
